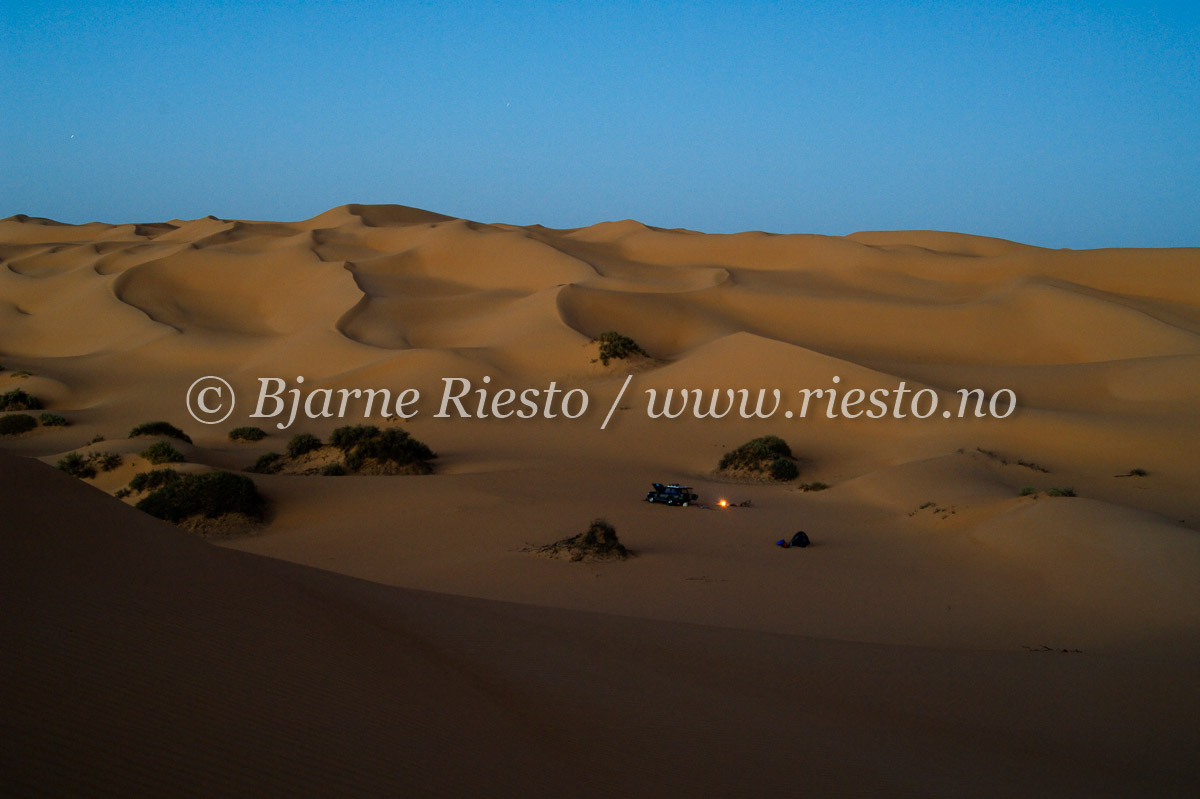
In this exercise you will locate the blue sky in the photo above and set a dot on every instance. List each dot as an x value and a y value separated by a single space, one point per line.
1064 125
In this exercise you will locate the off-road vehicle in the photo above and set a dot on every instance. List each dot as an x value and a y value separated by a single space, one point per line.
672 494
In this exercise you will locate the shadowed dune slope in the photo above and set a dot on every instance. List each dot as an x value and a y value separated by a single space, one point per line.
141 662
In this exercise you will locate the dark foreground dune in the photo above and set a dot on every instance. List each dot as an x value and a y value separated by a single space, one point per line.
139 661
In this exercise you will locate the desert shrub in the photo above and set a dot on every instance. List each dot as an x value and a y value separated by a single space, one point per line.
783 469
302 444
769 454
22 373
247 434
96 439
16 423
266 464
334 470
1055 491
346 438
155 478
615 346
162 452
106 461
392 446
598 542
814 486
18 400
121 493
1028 491
76 465
159 429
52 420
1137 472
210 495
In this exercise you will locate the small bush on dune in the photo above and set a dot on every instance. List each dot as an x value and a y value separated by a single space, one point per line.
162 452
392 448
52 420
266 464
783 470
16 423
247 434
814 486
106 461
346 438
1028 491
334 470
155 478
210 495
302 444
767 454
751 454
599 542
1055 491
18 400
160 429
76 465
614 346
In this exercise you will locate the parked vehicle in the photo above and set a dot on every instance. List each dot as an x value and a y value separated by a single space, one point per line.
673 494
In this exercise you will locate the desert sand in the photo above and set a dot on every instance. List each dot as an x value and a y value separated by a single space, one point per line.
944 635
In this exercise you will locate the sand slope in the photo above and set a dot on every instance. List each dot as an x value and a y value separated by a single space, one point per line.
140 661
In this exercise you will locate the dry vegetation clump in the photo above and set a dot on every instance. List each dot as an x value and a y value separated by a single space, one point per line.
598 542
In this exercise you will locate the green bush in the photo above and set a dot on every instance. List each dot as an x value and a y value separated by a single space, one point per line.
615 346
159 429
96 439
266 464
16 423
391 446
162 452
122 493
76 465
210 495
247 434
155 478
346 438
769 454
783 469
52 420
302 444
1060 492
18 400
334 470
1028 491
814 486
107 461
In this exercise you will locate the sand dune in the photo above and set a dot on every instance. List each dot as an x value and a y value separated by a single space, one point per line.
920 619
140 661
